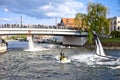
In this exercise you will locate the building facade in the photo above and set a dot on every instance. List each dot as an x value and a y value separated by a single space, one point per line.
115 24
67 22
71 23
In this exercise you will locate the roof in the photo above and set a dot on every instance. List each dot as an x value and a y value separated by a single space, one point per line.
68 21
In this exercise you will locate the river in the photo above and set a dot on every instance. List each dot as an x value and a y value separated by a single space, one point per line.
18 64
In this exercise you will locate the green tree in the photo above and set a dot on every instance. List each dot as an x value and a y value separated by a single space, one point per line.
84 22
80 21
77 20
97 19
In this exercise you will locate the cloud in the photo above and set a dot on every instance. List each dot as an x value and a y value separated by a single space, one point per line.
43 8
9 19
6 10
5 19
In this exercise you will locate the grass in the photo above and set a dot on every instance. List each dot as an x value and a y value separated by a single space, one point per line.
111 42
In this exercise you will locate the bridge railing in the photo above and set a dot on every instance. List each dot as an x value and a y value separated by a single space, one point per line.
32 26
36 26
38 29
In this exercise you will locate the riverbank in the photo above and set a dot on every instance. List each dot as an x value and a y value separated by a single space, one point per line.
104 47
110 43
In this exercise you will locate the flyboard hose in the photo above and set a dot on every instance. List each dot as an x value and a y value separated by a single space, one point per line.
99 51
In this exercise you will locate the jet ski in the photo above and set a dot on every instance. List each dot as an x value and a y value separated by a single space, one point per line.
64 60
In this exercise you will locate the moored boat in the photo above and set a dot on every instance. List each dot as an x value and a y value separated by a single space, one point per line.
3 46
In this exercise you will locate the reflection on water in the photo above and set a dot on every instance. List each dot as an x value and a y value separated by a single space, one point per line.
18 64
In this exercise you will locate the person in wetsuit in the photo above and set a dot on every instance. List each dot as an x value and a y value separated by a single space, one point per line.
62 55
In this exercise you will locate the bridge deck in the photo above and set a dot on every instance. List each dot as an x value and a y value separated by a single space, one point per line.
39 31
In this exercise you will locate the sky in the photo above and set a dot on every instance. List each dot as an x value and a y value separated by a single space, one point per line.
48 12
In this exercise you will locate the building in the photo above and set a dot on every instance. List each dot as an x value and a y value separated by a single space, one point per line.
115 24
67 22
70 23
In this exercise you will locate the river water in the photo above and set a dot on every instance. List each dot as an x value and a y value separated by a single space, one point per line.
19 64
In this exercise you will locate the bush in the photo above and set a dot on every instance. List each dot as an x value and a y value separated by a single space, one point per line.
115 34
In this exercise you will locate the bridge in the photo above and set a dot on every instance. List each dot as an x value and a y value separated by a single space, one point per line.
69 36
40 31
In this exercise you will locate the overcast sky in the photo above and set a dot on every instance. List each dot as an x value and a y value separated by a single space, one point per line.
47 11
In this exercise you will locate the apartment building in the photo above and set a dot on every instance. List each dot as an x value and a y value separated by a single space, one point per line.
115 24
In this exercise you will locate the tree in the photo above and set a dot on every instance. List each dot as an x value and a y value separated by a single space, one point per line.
97 19
77 20
84 22
80 21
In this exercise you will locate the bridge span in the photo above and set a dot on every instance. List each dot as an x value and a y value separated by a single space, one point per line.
39 31
71 37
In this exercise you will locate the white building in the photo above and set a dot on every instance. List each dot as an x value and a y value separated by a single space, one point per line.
115 24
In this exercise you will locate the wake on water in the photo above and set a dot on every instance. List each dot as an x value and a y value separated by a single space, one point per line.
98 59
90 59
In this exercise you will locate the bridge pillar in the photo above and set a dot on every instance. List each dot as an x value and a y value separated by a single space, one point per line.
73 40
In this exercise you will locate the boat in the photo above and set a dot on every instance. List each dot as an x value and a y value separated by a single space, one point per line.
3 47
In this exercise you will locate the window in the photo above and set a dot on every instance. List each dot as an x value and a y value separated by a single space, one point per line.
118 27
68 20
114 27
114 22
